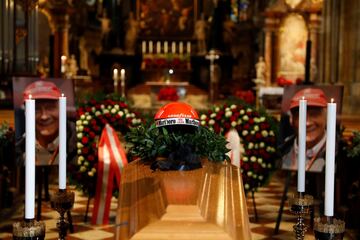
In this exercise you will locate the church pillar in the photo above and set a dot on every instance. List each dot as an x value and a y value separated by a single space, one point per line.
58 11
314 23
269 28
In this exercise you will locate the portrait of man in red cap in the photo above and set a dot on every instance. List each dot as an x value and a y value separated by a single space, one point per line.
315 130
46 95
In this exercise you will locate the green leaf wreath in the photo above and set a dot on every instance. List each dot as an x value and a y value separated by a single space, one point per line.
176 148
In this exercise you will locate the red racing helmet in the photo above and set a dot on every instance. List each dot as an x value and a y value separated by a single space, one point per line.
176 113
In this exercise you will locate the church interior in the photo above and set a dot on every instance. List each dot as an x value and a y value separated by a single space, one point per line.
238 88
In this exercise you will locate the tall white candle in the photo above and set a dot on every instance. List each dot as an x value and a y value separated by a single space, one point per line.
330 159
173 47
302 145
63 64
188 48
122 82
62 142
166 47
181 48
158 47
143 47
150 47
29 158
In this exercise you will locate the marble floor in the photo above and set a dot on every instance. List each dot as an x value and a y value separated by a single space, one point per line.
267 201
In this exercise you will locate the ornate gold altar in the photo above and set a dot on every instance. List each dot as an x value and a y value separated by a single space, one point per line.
206 203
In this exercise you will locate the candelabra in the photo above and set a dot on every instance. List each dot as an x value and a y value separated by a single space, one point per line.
301 206
329 228
62 201
29 229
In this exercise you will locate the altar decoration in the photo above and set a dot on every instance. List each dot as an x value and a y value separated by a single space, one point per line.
163 61
168 94
257 132
92 116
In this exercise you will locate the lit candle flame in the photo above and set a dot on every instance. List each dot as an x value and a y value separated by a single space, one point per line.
303 97
30 96
62 95
332 100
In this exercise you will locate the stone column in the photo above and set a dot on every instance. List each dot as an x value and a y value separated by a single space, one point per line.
269 28
313 28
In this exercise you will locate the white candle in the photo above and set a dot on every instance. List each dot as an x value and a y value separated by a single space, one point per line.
181 48
165 47
122 79
188 47
29 158
150 47
158 47
302 145
63 64
62 142
173 47
115 76
330 158
143 47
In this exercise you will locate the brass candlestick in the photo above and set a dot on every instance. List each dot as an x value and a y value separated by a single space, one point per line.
62 201
329 228
301 206
29 229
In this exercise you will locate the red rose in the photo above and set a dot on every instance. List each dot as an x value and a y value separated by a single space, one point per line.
251 121
90 158
84 140
85 150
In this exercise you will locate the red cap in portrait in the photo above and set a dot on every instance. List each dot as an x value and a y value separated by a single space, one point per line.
42 90
315 97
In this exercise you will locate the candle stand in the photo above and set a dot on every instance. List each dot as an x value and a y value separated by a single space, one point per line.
328 228
29 229
301 206
62 201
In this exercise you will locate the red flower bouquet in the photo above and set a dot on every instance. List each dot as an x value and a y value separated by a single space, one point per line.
168 94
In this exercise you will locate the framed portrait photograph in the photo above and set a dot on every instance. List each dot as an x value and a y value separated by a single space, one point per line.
166 18
317 98
46 93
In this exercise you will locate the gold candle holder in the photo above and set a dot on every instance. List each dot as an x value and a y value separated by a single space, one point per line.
300 205
329 228
62 201
29 229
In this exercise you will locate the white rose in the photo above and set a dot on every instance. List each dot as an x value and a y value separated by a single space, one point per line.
132 115
253 159
78 123
93 170
245 132
79 162
82 169
233 106
256 128
262 144
102 106
252 132
227 109
113 111
264 133
217 109
134 121
212 115
93 109
256 146
249 173
105 111
262 119
116 106
121 113
97 113
242 111
88 117
203 117
233 124
126 111
128 115
228 114
82 117
239 121
79 135
91 174
249 110
79 151
86 163
211 122
85 122
247 186
245 118
79 145
271 133
261 177
260 160
245 159
203 123
254 176
109 107
81 158
269 165
250 145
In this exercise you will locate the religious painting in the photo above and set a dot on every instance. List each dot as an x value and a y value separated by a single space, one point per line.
292 48
317 98
167 19
46 93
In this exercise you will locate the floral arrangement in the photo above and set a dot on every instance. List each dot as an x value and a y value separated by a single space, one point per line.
166 61
6 134
91 118
168 94
282 81
176 147
258 139
245 95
